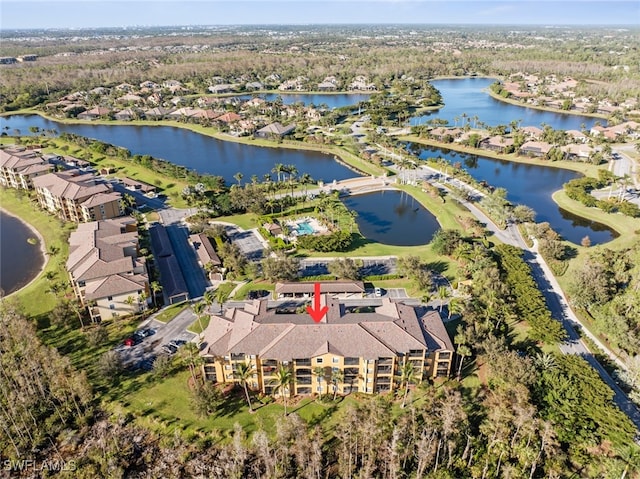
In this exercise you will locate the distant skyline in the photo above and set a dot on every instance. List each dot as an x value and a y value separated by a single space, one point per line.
25 14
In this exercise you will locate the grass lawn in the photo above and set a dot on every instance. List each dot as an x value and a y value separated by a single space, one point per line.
34 297
163 404
171 312
254 286
225 289
245 221
196 327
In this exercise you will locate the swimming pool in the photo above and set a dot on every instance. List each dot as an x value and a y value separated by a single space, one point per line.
304 228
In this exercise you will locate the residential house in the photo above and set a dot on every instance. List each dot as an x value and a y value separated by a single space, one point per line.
368 349
228 118
95 113
77 197
130 98
361 83
577 152
496 143
149 85
535 148
254 85
275 130
531 131
128 114
220 89
107 274
19 167
157 113
577 135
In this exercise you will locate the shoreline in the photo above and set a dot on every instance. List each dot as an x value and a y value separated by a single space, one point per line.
43 250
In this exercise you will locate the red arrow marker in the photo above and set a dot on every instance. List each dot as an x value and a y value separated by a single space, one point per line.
316 312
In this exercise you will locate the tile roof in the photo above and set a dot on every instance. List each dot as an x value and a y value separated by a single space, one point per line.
392 329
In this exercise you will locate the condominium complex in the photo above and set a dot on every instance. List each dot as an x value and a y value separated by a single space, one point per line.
352 352
105 271
77 197
19 166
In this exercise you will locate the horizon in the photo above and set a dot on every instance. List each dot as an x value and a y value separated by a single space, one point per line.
101 14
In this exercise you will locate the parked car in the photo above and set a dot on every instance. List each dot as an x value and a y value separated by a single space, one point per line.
258 293
377 292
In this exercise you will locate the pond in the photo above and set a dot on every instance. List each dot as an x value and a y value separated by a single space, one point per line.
467 98
530 185
392 217
21 260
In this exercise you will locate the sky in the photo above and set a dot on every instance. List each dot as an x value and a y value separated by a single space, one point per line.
25 14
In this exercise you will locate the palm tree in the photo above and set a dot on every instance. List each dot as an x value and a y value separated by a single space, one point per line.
244 372
155 289
321 374
443 293
278 168
337 377
463 351
198 308
238 177
407 376
209 298
282 382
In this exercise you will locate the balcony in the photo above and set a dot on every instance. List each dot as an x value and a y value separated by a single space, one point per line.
384 370
272 363
303 372
237 356
351 361
302 362
384 380
303 380
303 390
351 371
446 355
415 354
385 362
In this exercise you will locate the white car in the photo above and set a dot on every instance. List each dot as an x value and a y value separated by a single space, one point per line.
377 292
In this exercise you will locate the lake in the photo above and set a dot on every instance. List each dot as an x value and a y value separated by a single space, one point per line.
530 185
392 217
21 261
468 96
330 100
193 150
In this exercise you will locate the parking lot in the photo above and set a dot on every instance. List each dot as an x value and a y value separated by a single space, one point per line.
370 266
141 354
248 242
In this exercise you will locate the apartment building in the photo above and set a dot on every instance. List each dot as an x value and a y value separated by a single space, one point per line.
77 197
352 352
107 275
19 166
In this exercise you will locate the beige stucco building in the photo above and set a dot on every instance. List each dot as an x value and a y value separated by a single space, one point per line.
105 271
77 197
353 352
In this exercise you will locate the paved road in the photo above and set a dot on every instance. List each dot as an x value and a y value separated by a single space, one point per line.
561 311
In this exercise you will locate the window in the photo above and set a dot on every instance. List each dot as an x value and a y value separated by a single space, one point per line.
336 360
109 298
227 367
319 360
112 306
